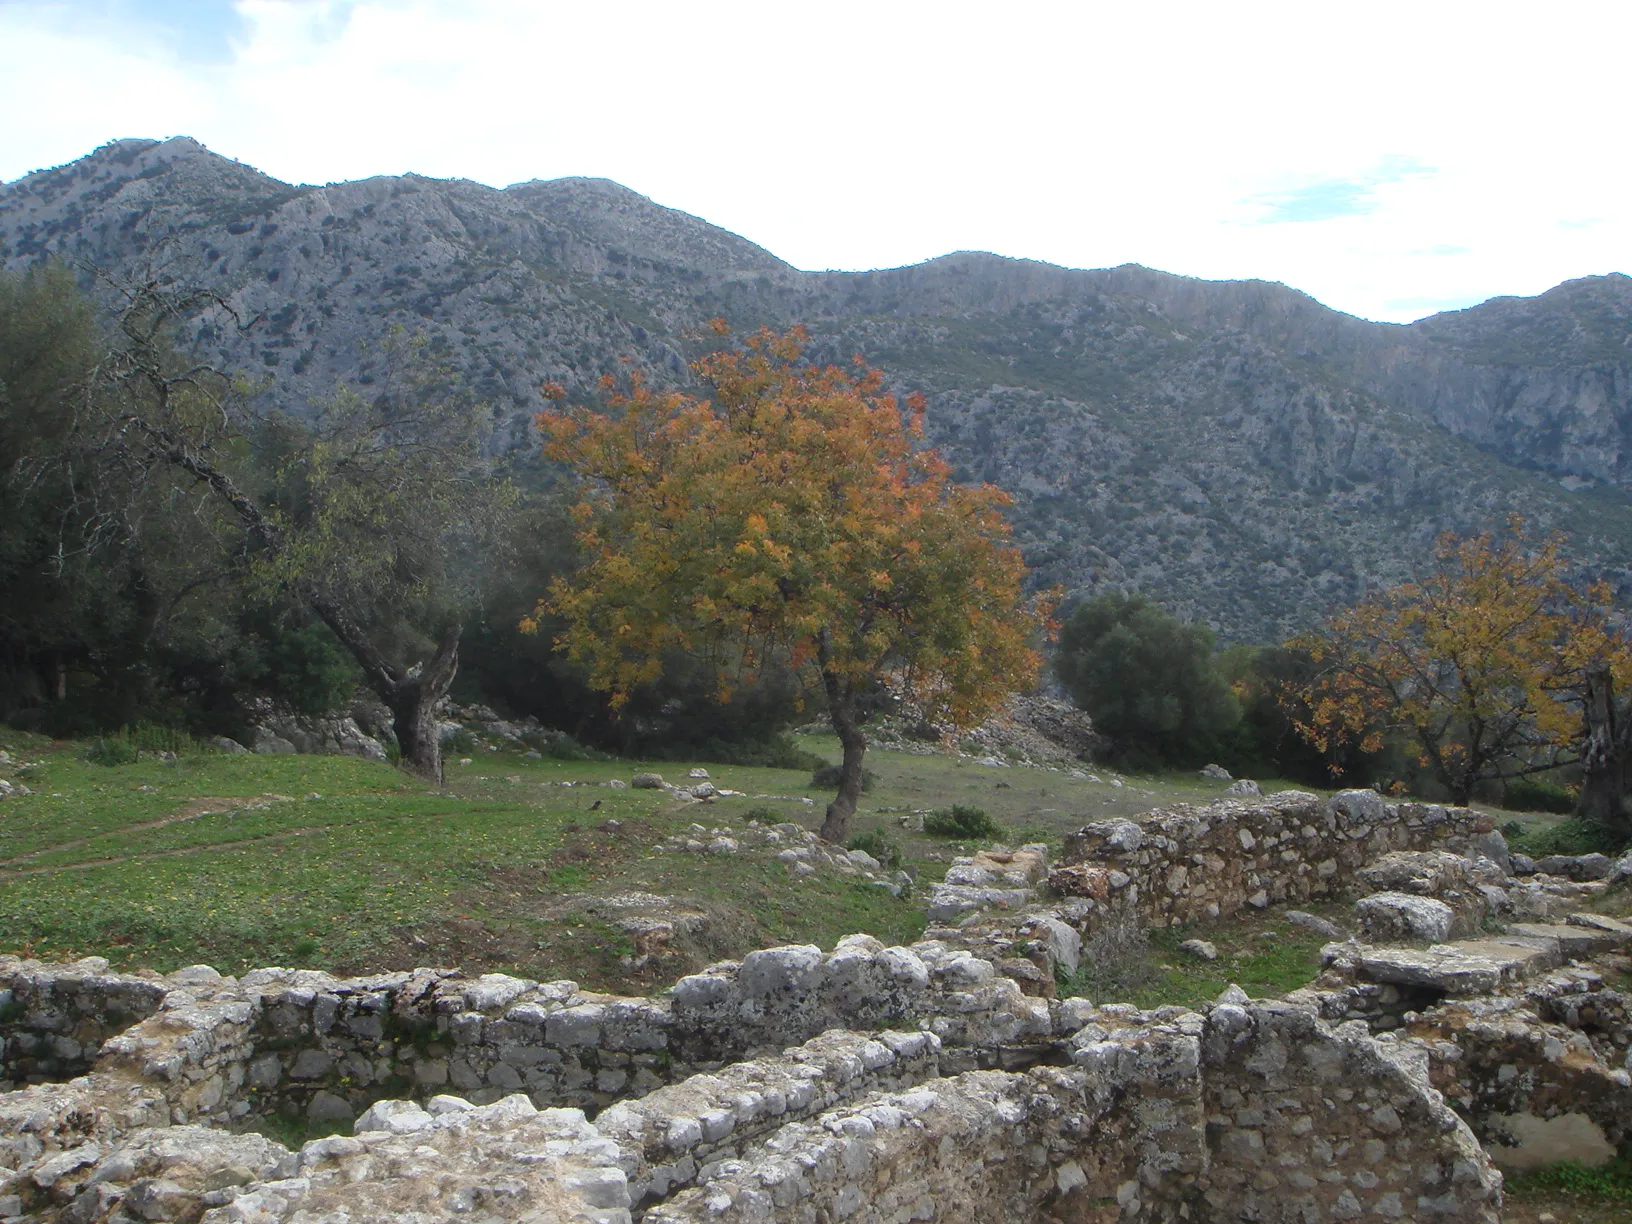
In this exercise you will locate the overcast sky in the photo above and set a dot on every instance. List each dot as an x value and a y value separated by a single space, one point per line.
1391 159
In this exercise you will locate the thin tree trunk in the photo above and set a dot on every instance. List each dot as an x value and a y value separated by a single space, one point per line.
841 711
1605 758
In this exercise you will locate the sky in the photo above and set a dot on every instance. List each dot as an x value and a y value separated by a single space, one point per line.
1391 159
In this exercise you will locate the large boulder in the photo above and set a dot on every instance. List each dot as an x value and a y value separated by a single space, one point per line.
1395 917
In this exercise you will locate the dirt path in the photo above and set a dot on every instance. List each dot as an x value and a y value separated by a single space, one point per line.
191 810
286 835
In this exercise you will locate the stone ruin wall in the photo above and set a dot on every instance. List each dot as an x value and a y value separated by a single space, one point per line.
1196 865
861 1083
1121 1115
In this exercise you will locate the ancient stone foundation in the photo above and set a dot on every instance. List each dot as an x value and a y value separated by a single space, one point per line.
1105 1113
937 1081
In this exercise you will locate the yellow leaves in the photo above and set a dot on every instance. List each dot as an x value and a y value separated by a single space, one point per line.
790 510
1479 661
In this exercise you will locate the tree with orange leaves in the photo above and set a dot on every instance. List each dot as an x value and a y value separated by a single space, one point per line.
1481 664
795 517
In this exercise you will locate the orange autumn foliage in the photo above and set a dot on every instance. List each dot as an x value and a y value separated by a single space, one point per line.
1480 664
793 516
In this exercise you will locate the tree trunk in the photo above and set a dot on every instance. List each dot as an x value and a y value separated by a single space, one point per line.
841 711
414 721
411 695
1605 757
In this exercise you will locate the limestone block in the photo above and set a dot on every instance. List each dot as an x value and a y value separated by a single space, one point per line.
1388 917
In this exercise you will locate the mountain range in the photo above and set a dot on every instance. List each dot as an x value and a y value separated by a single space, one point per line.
1233 449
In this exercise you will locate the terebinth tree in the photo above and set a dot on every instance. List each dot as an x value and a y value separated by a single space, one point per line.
793 516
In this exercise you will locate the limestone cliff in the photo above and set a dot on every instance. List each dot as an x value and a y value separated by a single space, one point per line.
1234 449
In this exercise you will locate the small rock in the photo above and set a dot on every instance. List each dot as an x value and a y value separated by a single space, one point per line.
1233 994
1577 867
327 1107
647 781
1201 949
697 773
1315 923
1246 786
1216 771
398 1117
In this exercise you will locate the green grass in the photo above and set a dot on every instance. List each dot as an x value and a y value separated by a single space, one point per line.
1610 1182
1259 952
350 865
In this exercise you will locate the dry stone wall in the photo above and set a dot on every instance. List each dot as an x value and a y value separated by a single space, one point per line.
54 1018
1198 864
1248 1112
1121 1115
306 1044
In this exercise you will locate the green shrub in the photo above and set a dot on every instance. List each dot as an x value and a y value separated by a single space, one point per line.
1151 683
827 778
962 822
128 743
1610 1182
111 750
880 845
1116 961
565 748
1535 795
1575 836
776 752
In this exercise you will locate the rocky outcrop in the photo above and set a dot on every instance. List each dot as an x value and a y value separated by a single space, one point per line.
1234 449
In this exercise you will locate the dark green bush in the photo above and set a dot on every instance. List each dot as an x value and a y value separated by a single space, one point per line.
1609 1183
1574 836
826 777
773 752
1150 682
880 845
962 822
565 748
128 743
1536 795
111 750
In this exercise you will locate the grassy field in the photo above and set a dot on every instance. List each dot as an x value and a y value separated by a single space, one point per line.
337 863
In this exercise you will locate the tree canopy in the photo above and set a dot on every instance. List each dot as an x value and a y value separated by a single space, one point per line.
1149 681
1481 664
794 517
374 516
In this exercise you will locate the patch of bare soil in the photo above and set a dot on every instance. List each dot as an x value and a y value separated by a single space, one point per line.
575 914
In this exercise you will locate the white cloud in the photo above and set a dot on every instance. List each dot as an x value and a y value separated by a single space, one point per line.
860 135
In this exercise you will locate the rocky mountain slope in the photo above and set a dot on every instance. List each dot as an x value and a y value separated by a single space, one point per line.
1234 449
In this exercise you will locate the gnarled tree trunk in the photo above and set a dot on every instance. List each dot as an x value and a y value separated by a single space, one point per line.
410 693
1606 758
842 711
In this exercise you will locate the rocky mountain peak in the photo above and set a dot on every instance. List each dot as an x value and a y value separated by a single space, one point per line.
1233 449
